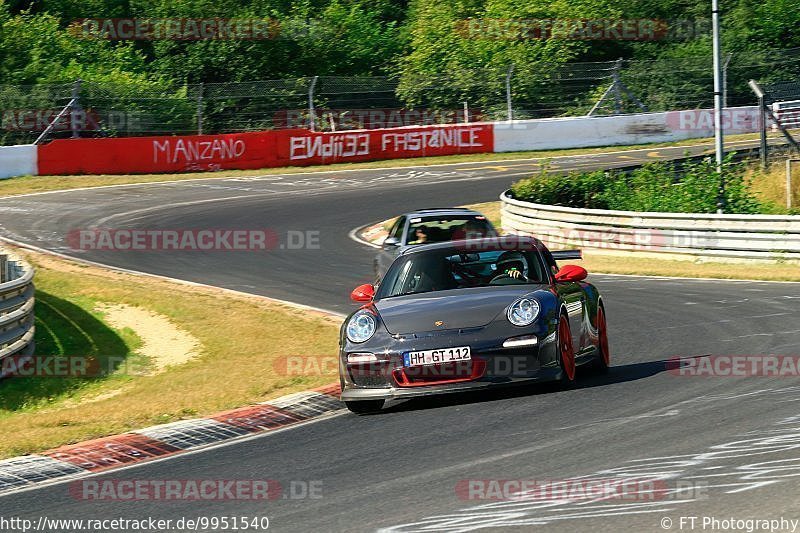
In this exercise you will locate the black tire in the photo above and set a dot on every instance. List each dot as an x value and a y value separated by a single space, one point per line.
566 352
603 360
365 407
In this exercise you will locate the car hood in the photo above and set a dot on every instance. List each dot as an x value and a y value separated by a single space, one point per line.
460 308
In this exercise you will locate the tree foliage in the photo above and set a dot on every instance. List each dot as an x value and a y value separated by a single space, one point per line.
422 41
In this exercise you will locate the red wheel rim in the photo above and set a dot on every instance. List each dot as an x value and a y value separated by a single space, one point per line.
602 333
565 346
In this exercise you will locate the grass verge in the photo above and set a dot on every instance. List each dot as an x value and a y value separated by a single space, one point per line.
32 184
769 186
236 368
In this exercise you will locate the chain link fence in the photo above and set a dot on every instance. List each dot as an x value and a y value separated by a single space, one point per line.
342 103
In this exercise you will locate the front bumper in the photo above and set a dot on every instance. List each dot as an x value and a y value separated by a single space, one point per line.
396 393
491 365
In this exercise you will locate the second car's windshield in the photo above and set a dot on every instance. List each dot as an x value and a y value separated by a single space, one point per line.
427 230
442 270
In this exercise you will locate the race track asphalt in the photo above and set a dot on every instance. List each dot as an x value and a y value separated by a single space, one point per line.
731 445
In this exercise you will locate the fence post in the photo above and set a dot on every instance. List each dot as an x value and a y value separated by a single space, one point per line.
466 112
789 181
72 102
200 110
4 268
312 119
616 85
599 102
73 107
762 131
725 79
509 107
759 92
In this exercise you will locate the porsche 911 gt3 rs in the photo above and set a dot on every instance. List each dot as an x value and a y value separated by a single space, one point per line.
469 314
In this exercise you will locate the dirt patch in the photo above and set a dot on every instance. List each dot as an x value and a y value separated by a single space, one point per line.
163 343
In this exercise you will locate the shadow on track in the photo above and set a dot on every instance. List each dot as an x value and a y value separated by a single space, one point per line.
585 379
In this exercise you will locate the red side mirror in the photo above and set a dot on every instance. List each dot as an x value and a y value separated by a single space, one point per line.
571 273
363 293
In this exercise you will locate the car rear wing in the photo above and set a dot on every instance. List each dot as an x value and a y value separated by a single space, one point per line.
559 255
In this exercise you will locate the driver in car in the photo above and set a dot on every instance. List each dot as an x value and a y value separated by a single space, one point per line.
421 234
511 265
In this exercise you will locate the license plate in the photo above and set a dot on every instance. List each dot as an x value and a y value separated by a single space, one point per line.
433 357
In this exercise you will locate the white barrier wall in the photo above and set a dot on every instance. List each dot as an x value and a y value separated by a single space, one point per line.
18 160
582 132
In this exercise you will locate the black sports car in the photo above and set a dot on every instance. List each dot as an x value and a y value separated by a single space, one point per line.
468 314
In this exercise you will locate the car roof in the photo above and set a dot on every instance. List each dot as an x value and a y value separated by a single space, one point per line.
485 244
443 211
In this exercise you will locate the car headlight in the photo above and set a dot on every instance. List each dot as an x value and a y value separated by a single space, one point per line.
361 326
523 312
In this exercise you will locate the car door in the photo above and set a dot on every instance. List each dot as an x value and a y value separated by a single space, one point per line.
390 248
574 298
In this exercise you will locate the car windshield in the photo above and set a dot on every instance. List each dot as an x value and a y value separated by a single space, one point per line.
441 229
442 270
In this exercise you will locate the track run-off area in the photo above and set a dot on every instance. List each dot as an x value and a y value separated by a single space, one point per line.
726 448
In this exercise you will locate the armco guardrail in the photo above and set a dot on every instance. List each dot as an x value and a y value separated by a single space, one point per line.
710 236
16 307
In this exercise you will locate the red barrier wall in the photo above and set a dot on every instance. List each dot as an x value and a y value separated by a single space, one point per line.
140 155
144 155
